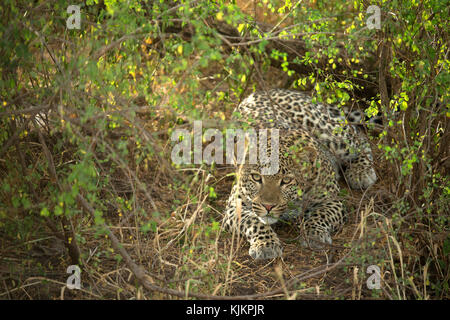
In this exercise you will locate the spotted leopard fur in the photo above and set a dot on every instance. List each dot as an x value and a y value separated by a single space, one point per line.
316 143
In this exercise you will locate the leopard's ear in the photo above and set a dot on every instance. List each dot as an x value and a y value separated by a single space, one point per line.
310 152
305 162
303 152
241 147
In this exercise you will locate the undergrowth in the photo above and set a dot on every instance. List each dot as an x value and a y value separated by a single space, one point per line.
87 117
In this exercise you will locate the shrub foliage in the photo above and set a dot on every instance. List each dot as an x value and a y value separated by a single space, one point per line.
87 114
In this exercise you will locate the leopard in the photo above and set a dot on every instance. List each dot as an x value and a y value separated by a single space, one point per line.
317 144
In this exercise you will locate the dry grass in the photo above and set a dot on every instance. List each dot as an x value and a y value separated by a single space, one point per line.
185 248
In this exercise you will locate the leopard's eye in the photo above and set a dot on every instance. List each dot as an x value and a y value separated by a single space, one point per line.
286 180
256 177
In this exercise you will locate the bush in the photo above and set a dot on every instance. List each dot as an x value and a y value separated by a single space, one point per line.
87 115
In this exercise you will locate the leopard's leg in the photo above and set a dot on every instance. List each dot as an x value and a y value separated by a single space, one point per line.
357 159
353 153
321 221
360 173
264 242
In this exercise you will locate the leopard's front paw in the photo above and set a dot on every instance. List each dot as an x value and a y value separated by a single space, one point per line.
265 250
317 240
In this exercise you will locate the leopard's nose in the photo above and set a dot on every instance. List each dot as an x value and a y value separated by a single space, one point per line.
268 207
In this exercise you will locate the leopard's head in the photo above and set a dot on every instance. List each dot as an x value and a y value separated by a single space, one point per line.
269 194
